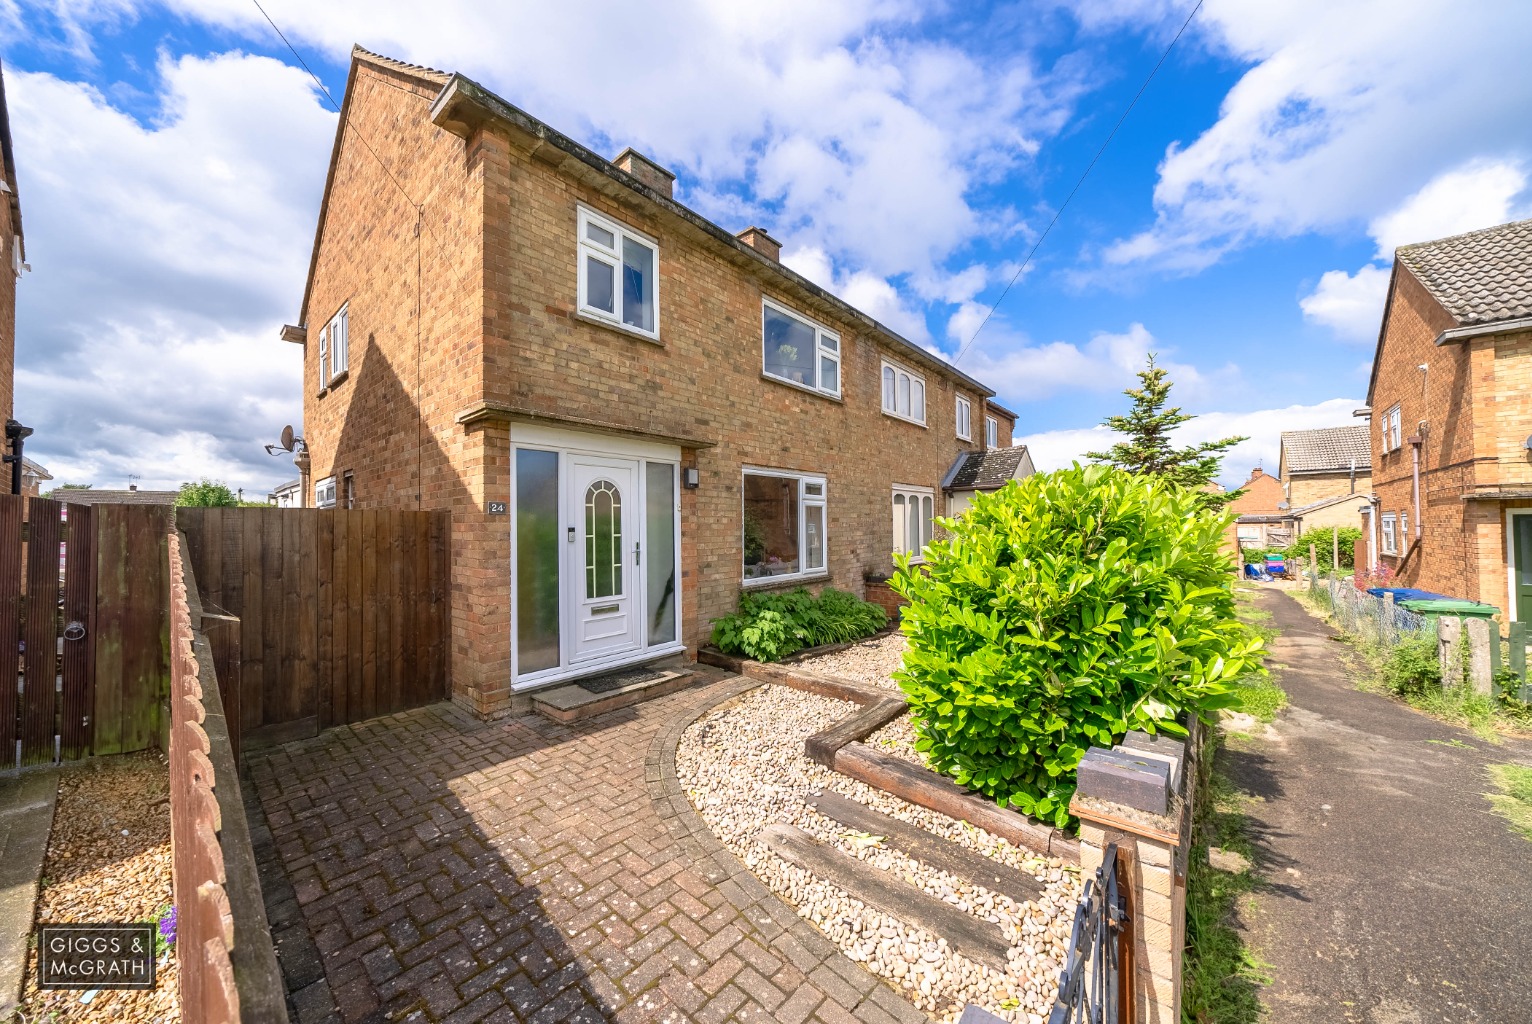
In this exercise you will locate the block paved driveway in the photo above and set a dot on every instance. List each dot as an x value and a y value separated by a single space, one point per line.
430 867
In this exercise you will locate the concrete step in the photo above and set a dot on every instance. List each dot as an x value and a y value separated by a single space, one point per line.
572 702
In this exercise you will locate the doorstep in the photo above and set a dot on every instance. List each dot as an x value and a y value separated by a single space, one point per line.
572 702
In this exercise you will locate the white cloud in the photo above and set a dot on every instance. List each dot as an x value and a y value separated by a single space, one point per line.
1345 111
1351 305
164 257
1479 194
1021 371
1053 449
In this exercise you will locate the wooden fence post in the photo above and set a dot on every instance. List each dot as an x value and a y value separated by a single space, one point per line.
1449 632
1313 566
1334 548
1479 675
1386 627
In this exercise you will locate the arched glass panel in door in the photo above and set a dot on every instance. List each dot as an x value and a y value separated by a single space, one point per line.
603 540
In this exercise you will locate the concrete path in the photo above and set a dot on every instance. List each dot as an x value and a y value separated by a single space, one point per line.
428 867
1394 895
26 817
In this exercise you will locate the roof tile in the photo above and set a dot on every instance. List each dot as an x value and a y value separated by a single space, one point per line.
1481 277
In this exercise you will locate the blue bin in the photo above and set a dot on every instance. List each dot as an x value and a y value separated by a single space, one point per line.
1408 594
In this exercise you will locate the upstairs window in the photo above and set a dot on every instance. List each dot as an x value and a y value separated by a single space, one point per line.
904 394
799 351
964 419
1393 437
335 348
991 432
619 274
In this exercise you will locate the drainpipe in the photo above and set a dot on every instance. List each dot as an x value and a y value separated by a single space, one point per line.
1415 482
1353 476
15 436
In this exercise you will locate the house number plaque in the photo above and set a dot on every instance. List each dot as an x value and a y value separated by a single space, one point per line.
497 508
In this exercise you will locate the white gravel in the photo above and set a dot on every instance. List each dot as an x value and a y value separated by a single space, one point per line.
872 663
743 767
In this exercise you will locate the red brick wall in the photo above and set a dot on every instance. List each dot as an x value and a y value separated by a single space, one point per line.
7 312
1262 494
498 287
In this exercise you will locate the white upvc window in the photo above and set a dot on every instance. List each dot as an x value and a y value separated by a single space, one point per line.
335 348
991 432
904 393
913 511
783 527
324 493
964 419
799 351
1393 436
619 274
1390 536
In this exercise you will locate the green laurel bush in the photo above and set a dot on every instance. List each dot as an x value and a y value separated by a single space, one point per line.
1058 613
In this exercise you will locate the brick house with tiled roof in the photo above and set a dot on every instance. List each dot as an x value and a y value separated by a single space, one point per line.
632 412
1450 409
1317 465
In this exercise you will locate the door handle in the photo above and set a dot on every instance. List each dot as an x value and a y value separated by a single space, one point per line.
635 552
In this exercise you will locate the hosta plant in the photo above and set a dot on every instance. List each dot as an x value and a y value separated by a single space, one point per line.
1059 613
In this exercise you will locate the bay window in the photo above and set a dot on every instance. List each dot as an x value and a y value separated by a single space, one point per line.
799 351
619 274
784 525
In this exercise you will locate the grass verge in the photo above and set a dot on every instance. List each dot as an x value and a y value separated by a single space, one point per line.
1221 976
1513 797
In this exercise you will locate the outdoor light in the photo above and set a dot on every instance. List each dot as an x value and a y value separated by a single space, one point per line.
691 477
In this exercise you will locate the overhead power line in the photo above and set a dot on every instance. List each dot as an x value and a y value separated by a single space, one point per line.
1089 167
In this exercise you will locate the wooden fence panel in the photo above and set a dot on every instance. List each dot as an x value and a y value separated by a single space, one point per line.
342 614
132 625
40 632
12 518
79 666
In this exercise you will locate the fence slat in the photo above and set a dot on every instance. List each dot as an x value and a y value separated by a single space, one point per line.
12 518
39 707
324 605
146 637
339 616
79 606
369 634
111 613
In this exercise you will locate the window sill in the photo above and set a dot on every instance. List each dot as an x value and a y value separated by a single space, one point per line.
620 328
340 378
906 419
827 396
785 580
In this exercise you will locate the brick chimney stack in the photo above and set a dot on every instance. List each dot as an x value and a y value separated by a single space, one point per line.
757 239
646 171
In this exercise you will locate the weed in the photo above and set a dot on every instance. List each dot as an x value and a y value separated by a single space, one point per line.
1513 802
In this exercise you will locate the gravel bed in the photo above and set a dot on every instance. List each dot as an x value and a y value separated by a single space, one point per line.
108 860
872 663
743 767
898 738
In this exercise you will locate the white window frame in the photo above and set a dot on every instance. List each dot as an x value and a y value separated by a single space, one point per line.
964 419
324 493
1389 527
991 432
901 523
613 257
335 348
805 500
1393 435
826 346
914 378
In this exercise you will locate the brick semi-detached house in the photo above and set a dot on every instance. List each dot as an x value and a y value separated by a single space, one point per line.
631 412
1450 405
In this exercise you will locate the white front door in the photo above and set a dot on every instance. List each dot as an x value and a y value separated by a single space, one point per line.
605 569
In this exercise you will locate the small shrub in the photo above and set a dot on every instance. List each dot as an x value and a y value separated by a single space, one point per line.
1060 613
1323 540
769 627
1412 667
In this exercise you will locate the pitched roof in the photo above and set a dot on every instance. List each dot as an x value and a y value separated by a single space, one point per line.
988 470
1480 277
458 91
91 496
1327 449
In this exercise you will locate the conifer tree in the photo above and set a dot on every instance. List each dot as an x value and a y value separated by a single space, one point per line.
1147 447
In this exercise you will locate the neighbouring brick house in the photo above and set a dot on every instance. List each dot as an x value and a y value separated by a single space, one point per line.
1259 509
1450 403
13 252
631 412
1330 462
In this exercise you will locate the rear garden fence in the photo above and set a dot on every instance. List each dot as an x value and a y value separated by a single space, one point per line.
1376 620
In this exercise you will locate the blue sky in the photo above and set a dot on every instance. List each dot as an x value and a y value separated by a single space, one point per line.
1241 223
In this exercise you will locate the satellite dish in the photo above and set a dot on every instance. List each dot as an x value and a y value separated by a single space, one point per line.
287 437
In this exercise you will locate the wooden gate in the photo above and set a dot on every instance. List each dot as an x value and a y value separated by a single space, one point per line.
83 592
342 614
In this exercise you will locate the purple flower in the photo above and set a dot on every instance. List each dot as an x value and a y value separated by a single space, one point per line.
168 926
